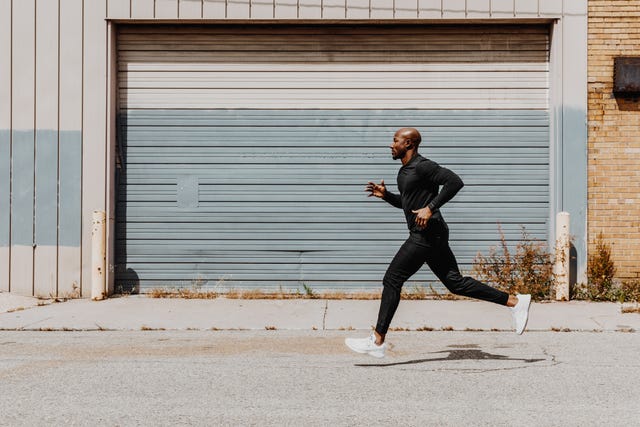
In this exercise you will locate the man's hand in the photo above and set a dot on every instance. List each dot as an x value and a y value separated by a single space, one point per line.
377 190
422 216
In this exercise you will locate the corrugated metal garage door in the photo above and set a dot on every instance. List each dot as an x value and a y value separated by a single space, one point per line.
244 150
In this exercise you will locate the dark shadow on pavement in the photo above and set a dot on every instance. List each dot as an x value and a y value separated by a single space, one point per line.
453 355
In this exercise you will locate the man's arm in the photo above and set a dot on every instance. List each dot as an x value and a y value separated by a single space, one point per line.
451 183
393 199
379 190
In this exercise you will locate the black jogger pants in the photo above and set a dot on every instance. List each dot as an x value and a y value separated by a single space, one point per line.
432 248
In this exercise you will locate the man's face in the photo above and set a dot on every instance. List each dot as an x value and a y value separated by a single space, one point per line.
399 145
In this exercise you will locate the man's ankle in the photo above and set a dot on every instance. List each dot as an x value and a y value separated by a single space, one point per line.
379 337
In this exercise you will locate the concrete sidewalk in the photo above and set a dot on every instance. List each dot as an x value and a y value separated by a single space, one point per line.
141 312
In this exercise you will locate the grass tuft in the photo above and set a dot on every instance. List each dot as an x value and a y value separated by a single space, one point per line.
417 292
186 293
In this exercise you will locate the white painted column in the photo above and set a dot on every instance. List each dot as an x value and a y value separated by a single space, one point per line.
563 243
98 256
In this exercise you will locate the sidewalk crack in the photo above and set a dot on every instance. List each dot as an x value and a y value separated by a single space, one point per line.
324 316
593 319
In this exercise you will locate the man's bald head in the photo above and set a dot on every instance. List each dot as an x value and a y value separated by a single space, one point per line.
410 133
405 144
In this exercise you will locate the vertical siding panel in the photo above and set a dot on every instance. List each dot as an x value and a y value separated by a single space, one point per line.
358 9
454 9
502 8
93 126
575 7
214 9
478 8
526 8
310 9
407 9
142 9
238 9
119 9
574 123
190 9
46 158
262 9
430 9
333 9
550 7
5 141
111 153
285 9
166 9
23 64
381 9
70 142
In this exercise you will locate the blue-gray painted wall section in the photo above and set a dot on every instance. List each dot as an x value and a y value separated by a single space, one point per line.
70 208
22 168
52 202
5 186
46 187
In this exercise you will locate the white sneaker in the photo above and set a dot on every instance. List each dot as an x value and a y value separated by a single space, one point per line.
366 346
520 312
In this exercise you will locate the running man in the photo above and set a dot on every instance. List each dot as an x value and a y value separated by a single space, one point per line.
419 181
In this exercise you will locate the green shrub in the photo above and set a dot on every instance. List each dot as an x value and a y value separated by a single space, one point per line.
529 270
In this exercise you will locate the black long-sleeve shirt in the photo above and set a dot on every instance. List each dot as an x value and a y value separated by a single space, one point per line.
419 183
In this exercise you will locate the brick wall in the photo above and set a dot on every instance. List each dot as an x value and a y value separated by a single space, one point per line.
614 135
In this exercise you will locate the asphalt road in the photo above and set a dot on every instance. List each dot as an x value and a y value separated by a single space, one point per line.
310 378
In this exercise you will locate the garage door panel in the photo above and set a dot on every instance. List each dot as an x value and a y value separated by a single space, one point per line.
319 80
332 44
151 214
222 154
364 67
337 98
324 193
334 120
359 172
240 233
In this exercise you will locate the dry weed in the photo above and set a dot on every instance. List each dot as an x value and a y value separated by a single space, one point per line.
528 271
601 284
185 293
418 292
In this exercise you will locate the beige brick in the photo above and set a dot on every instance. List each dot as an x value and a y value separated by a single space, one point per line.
613 170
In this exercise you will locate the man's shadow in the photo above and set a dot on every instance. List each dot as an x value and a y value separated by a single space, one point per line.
453 355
